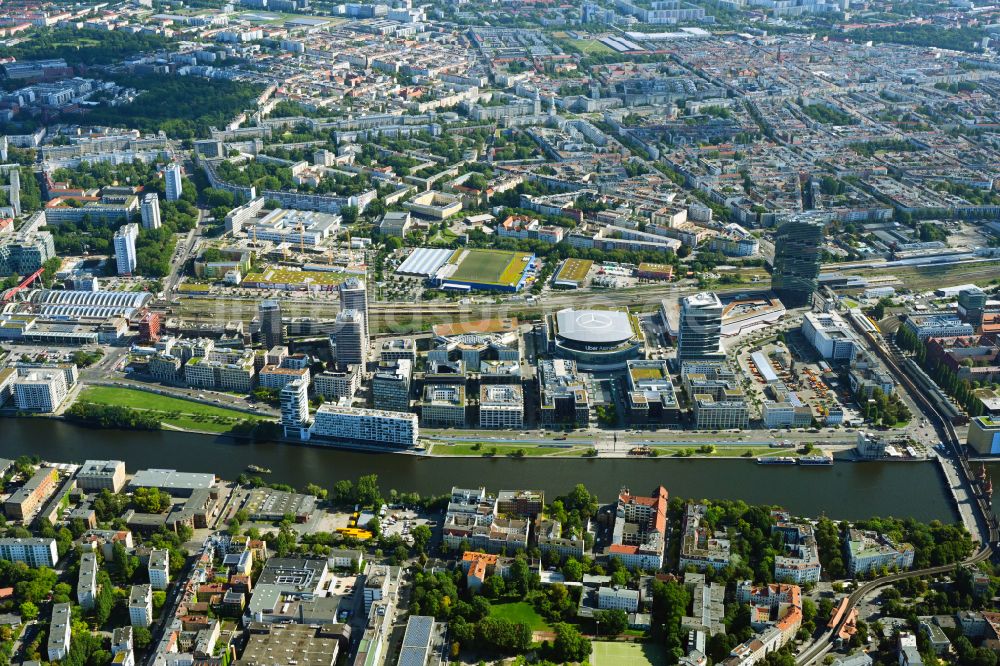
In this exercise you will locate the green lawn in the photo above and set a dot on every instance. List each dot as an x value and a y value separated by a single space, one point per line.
520 611
175 412
609 653
530 450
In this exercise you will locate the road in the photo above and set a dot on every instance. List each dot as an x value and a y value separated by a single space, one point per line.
823 644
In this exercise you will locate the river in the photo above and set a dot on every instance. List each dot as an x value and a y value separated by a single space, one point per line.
845 490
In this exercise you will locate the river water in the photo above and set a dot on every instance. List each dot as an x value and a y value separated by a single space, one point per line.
845 490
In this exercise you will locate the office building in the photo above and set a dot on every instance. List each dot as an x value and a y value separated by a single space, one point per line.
354 296
869 552
350 337
730 410
972 306
700 331
797 245
86 583
59 632
393 350
443 406
40 390
277 377
34 552
140 605
272 330
332 386
159 569
295 409
391 386
938 326
830 335
25 253
651 395
174 181
564 397
501 407
125 255
393 429
100 474
150 210
149 327
984 435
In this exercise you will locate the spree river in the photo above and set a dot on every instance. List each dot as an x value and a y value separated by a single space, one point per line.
845 490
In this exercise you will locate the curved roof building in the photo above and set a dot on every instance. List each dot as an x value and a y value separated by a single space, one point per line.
595 339
66 303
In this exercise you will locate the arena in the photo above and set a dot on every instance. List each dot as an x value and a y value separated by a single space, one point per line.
598 340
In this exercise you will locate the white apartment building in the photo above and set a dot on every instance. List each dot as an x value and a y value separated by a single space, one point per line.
618 598
870 551
150 211
86 584
395 429
59 632
295 409
175 182
501 406
125 255
40 390
140 606
159 569
34 552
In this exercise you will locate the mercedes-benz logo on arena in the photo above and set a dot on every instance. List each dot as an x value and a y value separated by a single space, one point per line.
593 320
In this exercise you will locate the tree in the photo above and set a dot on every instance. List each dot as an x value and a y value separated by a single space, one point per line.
367 491
29 611
493 587
104 603
572 570
421 537
343 492
318 491
612 622
569 644
141 637
123 561
349 214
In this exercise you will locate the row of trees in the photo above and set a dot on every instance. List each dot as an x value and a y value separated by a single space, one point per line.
962 390
112 416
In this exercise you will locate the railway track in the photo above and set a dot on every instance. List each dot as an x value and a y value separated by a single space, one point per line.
984 511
